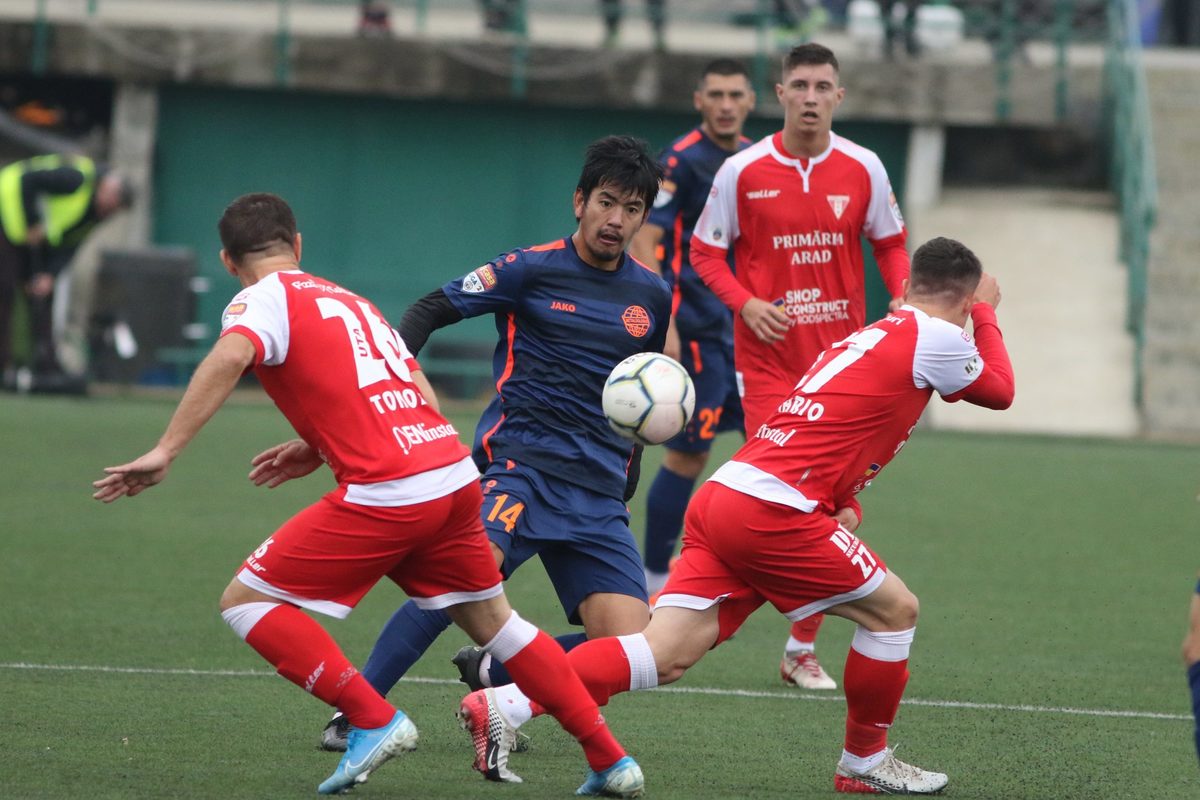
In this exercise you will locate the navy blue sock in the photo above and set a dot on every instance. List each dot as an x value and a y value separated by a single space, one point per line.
403 640
665 506
499 676
1194 680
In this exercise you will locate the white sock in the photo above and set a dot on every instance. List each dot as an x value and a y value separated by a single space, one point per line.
513 705
795 647
861 764
485 665
245 616
643 672
655 581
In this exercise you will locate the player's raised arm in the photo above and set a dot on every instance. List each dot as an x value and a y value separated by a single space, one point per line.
995 387
215 378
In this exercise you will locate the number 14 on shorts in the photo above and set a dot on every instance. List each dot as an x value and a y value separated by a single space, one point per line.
509 515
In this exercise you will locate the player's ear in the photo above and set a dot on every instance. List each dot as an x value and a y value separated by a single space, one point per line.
579 202
904 289
297 247
228 262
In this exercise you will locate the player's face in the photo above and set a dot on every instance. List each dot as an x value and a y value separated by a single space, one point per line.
724 102
809 95
608 219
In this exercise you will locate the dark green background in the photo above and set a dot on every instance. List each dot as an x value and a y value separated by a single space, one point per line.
395 197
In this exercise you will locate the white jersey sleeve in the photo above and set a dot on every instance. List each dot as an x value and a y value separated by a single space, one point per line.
718 223
946 357
883 212
262 309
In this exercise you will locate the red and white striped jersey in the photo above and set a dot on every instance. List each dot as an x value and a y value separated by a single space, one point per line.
856 406
343 378
795 226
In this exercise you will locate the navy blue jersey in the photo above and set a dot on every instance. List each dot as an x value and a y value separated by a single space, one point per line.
691 162
563 326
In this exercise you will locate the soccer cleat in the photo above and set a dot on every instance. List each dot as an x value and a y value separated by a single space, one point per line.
491 734
468 659
333 738
367 749
805 671
622 779
890 776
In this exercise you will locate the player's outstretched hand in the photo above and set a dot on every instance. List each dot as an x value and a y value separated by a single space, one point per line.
132 478
988 291
768 321
281 463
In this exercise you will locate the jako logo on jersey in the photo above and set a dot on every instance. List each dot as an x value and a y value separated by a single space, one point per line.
895 207
637 321
559 305
764 194
234 311
972 366
838 203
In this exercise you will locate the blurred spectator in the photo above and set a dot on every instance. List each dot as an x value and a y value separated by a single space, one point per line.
48 206
892 29
798 20
374 18
501 15
655 10
1183 19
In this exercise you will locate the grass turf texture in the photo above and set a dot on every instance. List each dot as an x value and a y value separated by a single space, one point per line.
1052 573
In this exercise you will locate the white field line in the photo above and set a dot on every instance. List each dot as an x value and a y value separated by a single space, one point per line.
792 695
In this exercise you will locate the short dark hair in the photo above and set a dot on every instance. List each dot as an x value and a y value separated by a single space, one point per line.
944 266
623 162
810 54
255 223
724 66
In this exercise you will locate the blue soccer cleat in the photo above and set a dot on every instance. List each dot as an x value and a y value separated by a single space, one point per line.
622 779
367 749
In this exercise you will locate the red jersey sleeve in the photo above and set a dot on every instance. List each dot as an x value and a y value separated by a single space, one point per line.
995 387
711 265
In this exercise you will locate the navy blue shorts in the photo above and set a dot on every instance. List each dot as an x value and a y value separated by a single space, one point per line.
718 407
582 537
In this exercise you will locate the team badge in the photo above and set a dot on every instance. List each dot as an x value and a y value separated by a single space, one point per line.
231 313
894 206
480 280
838 203
637 321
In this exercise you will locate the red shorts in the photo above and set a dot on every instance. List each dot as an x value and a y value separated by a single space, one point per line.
330 554
741 552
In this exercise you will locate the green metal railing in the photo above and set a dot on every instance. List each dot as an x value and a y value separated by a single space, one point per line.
1134 176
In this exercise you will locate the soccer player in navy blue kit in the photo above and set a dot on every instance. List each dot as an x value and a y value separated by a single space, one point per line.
555 475
1191 657
701 333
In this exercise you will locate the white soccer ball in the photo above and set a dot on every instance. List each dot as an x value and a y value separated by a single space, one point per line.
648 398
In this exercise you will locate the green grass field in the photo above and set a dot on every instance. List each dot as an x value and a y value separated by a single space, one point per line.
1054 577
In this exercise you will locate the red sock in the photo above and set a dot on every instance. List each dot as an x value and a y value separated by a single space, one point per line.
873 689
806 629
542 671
301 651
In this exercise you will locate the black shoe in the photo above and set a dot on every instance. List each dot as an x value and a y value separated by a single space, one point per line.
468 660
333 738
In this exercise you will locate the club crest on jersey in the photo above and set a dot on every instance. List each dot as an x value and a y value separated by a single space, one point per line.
480 280
838 203
231 313
895 207
637 321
